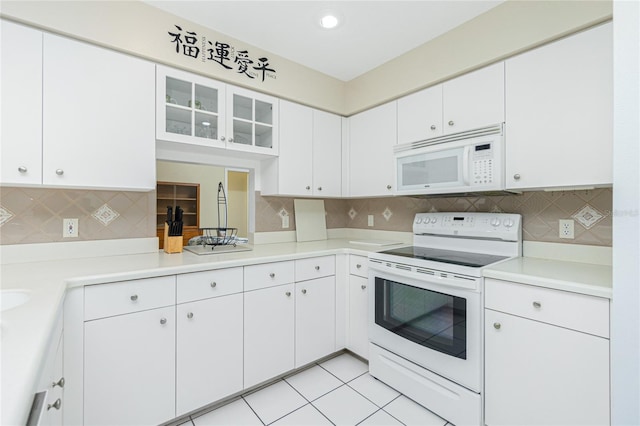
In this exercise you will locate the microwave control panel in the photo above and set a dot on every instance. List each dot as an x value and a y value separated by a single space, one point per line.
482 164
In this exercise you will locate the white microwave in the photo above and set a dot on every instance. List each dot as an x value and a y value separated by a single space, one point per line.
471 161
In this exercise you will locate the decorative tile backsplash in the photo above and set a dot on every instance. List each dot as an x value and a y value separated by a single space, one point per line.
34 215
540 210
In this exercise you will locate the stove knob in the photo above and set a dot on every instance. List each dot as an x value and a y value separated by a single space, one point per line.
418 220
434 219
495 221
508 223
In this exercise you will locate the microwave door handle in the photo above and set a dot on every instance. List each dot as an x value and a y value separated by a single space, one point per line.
465 164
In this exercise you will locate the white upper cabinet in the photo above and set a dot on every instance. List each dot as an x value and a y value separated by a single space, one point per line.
560 113
309 163
190 108
474 100
21 93
420 115
252 121
98 117
468 102
372 136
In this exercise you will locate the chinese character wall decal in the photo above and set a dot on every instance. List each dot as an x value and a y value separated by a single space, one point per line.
220 53
262 66
243 61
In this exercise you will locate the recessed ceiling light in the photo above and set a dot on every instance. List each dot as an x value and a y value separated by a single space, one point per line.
329 21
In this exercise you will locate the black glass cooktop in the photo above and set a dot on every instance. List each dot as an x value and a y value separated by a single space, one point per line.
474 260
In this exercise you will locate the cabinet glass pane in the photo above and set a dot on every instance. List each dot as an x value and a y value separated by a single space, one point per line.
206 126
264 112
178 92
178 120
264 136
242 107
206 99
242 132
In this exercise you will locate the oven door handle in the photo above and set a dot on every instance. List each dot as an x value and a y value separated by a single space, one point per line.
461 282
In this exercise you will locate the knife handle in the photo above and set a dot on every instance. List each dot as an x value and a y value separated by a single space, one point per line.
169 214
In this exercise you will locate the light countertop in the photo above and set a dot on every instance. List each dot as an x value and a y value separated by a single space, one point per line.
584 278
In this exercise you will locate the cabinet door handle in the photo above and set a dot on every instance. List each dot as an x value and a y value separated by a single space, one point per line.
288 294
22 169
317 268
389 186
364 287
319 188
516 176
451 123
358 266
55 405
58 383
134 297
497 325
222 138
59 172
537 305
213 284
163 321
433 127
231 140
190 315
272 275
304 291
307 187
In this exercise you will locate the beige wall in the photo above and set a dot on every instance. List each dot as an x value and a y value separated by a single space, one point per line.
207 176
238 200
140 29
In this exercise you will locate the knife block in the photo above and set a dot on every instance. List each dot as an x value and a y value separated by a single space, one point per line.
172 244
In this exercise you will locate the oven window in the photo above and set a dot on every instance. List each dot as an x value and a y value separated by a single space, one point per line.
431 319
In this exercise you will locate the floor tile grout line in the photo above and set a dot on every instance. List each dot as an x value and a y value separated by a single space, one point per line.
254 411
365 397
323 414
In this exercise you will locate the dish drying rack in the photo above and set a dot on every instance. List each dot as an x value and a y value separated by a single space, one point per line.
222 235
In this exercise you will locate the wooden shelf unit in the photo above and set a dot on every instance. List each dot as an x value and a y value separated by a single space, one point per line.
185 195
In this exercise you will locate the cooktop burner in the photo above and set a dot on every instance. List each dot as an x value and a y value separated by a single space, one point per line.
474 260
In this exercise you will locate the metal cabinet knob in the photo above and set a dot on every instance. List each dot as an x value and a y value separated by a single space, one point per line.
222 138
288 294
317 268
358 266
319 188
55 405
364 287
516 176
389 186
231 140
451 123
497 325
272 275
163 321
433 127
307 187
190 315
537 305
134 297
304 291
59 172
22 169
58 383
213 284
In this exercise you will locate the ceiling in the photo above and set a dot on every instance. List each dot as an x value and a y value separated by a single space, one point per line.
370 32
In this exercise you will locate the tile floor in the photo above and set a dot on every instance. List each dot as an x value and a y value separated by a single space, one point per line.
338 391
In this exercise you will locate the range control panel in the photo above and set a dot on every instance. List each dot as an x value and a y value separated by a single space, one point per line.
503 226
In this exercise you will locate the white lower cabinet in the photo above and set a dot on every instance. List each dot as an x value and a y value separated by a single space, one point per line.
315 320
208 351
539 370
268 333
129 368
358 334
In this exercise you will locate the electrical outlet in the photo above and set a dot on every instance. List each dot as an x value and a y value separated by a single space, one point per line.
285 221
69 228
566 229
370 220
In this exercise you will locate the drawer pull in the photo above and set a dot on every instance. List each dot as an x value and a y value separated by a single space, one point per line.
163 321
537 305
272 275
497 325
288 294
190 315
317 268
58 383
364 287
304 291
213 284
358 266
55 405
134 297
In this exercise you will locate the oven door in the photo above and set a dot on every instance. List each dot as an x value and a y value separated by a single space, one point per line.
436 326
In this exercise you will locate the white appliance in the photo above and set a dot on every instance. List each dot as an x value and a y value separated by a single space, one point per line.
471 161
426 309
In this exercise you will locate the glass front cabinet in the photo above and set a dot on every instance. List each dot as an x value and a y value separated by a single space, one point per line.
201 111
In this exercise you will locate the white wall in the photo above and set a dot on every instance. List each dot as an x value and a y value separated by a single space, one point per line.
625 324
